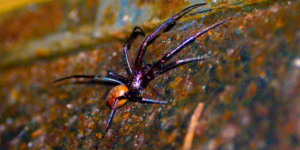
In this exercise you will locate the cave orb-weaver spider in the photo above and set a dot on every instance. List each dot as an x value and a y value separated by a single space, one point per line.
132 87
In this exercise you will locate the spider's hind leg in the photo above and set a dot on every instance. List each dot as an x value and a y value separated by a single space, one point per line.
94 77
108 122
145 100
118 77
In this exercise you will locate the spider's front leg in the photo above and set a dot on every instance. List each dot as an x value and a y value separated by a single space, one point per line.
141 53
137 30
153 71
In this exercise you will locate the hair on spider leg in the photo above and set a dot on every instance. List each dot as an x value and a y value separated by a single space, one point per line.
131 88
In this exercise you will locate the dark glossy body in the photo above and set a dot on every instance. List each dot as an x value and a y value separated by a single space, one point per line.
132 87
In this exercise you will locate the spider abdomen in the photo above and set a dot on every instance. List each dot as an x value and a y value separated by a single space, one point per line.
117 91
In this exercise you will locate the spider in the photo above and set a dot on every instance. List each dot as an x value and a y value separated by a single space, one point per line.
130 89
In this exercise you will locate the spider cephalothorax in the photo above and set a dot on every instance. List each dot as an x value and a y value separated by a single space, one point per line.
129 89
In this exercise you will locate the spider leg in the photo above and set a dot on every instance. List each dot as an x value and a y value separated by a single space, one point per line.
179 63
169 55
115 76
142 50
145 100
100 78
113 110
137 30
